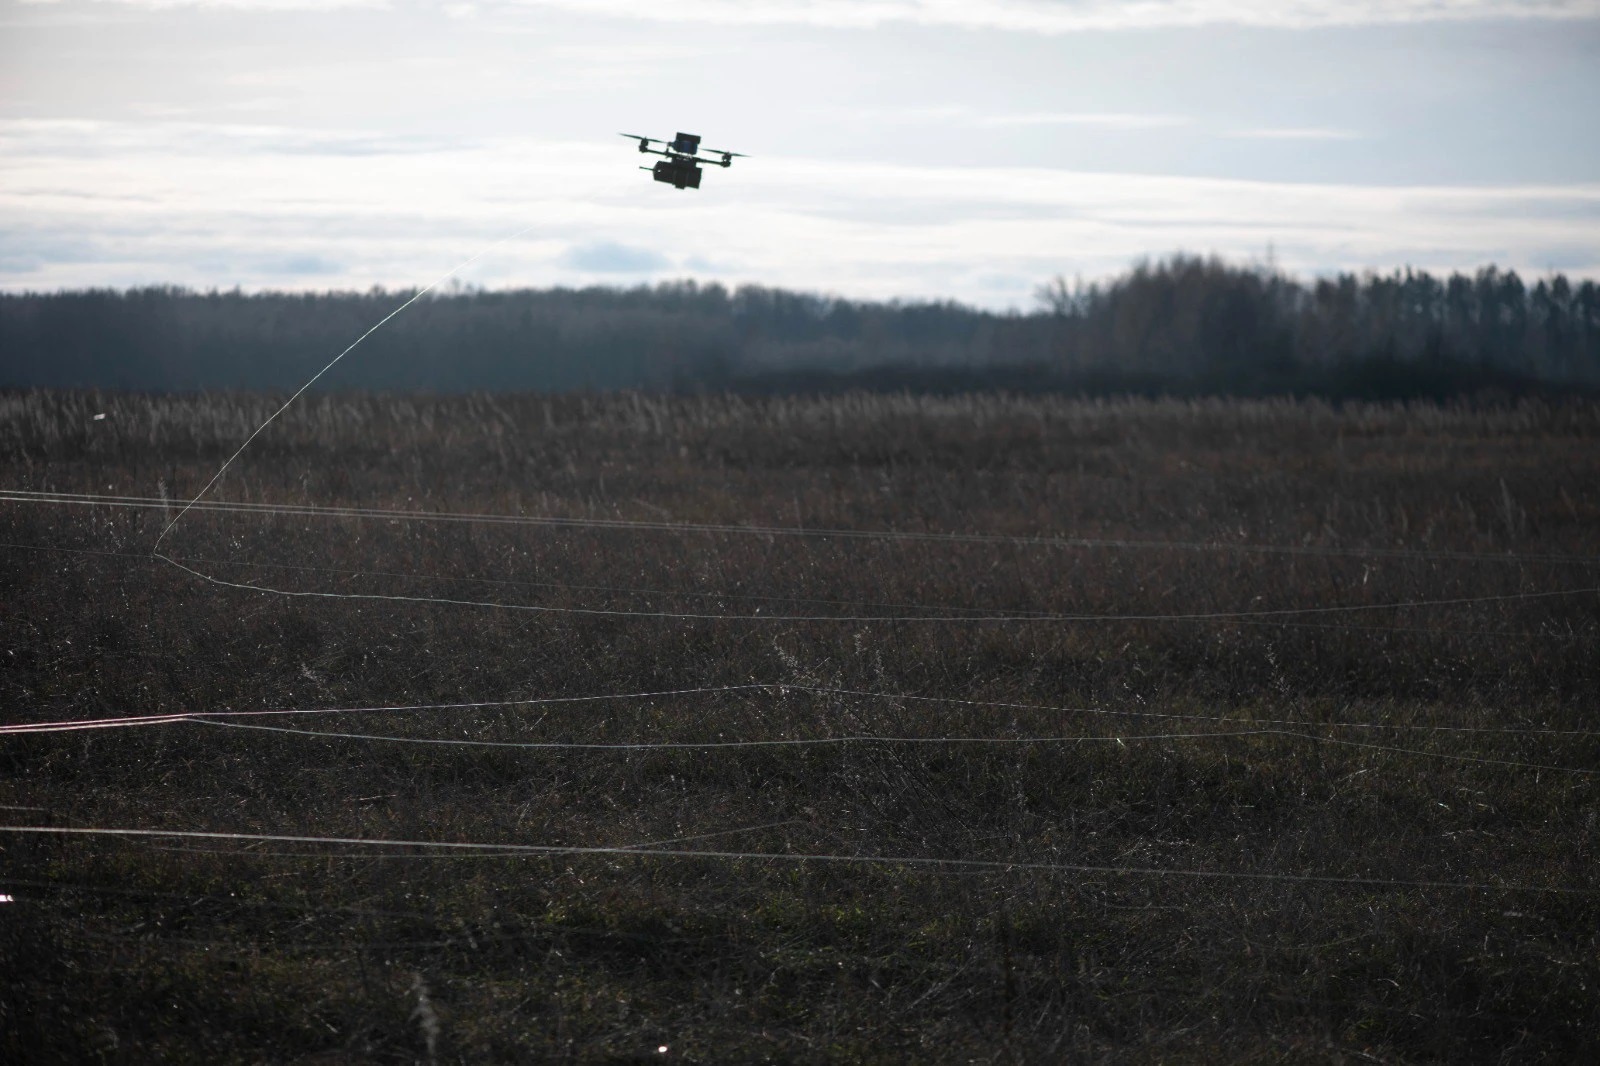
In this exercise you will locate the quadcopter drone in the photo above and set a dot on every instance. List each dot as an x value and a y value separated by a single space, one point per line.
680 168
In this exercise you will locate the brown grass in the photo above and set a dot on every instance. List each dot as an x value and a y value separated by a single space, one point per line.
138 950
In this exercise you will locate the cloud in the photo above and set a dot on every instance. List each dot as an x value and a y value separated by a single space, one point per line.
234 5
300 266
1297 133
957 114
1570 257
1068 16
1114 120
117 204
607 257
1031 16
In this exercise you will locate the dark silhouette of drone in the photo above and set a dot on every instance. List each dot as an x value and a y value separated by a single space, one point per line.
681 167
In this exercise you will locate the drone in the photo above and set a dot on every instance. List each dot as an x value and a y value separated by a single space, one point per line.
680 168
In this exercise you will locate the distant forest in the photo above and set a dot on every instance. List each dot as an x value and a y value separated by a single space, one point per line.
1184 325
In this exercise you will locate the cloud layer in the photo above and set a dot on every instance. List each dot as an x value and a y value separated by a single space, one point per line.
260 207
1068 16
1031 16
347 144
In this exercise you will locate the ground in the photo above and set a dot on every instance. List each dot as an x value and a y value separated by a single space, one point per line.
1160 731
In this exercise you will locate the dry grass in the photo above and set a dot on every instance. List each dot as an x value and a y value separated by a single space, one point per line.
213 952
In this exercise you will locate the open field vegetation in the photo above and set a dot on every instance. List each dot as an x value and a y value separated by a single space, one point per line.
1223 731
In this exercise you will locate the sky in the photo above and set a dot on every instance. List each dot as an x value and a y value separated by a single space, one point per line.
916 149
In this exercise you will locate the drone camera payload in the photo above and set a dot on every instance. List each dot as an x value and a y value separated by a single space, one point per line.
680 175
681 167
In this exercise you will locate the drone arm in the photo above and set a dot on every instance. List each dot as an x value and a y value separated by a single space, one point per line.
646 142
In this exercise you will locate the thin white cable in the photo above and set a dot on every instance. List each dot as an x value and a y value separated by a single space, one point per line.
155 549
703 745
976 613
645 525
367 855
182 716
1287 722
130 721
1013 619
534 850
870 738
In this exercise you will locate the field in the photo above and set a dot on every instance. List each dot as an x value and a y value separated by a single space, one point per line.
867 728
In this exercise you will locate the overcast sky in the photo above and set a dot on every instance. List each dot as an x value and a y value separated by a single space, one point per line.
899 148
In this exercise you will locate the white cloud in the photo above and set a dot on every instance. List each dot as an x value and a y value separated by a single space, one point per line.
1036 16
1066 16
948 113
235 5
209 206
1297 133
1114 120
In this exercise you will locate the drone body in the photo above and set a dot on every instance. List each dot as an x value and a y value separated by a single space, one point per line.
681 167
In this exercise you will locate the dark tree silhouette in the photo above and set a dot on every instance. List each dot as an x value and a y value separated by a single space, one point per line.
1183 324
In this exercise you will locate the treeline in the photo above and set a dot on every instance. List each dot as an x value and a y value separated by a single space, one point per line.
1179 325
673 335
1202 321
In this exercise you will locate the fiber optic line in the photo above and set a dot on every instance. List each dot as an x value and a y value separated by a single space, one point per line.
1286 722
975 613
645 525
780 689
369 856
155 549
510 582
870 738
550 850
160 719
445 601
704 745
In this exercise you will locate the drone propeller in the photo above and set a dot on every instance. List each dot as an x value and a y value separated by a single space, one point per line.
637 137
727 157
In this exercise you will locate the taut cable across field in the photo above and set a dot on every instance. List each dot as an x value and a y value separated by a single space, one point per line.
155 549
779 688
966 619
873 738
975 613
821 533
926 861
